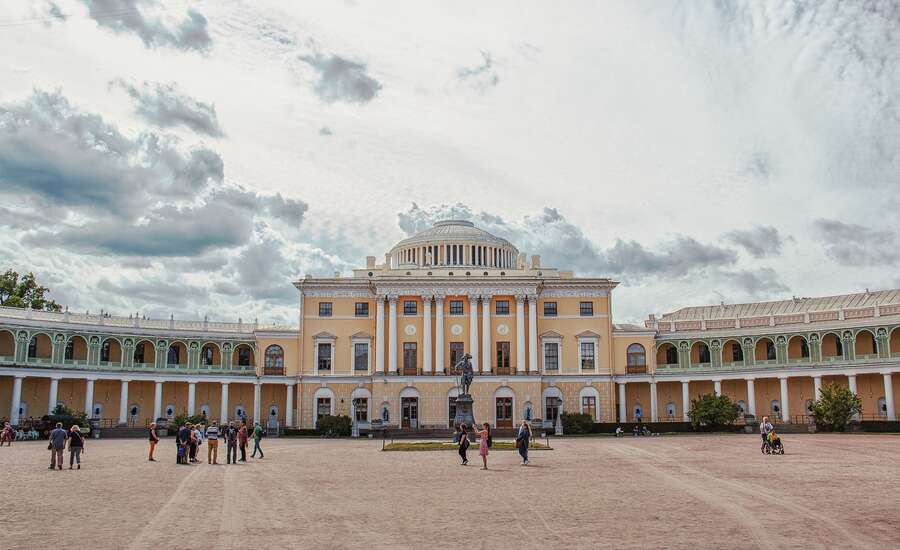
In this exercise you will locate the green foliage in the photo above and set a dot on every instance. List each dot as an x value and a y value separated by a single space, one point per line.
577 423
183 418
67 416
334 425
711 411
24 292
62 410
835 407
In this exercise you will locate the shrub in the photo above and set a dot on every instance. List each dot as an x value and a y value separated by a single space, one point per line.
577 423
67 416
183 418
835 407
711 411
333 425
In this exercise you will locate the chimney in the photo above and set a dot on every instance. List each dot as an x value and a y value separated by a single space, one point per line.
370 262
536 261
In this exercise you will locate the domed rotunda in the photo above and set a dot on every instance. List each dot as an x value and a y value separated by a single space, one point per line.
454 243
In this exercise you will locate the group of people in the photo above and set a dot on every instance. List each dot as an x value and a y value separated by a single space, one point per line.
771 442
59 440
485 441
190 437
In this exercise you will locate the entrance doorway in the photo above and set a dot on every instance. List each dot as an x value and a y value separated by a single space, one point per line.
409 417
504 412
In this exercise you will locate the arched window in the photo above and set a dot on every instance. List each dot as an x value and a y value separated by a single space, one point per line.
882 407
670 409
274 360
207 355
742 408
104 352
32 347
173 355
70 350
637 356
775 407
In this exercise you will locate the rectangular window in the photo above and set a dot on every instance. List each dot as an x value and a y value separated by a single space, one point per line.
324 356
362 309
549 309
589 406
409 307
361 357
323 407
503 357
457 350
409 358
501 307
551 356
456 307
324 309
586 309
361 406
587 356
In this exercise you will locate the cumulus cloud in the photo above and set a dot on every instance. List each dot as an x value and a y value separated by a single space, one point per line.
481 77
852 244
342 80
126 16
759 242
163 105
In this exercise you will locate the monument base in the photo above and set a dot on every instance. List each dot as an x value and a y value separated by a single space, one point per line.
464 413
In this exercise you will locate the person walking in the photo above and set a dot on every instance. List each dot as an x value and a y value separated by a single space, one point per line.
8 434
76 446
257 435
183 440
212 443
56 446
231 435
243 440
196 440
154 440
463 444
523 436
484 443
764 428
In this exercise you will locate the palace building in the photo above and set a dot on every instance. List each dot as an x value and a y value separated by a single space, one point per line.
380 346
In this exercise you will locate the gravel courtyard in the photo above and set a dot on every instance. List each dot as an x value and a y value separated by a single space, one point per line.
674 492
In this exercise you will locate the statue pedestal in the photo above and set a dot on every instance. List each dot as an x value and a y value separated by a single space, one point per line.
464 412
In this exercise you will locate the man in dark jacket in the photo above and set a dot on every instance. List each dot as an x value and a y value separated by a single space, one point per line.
58 439
184 440
231 440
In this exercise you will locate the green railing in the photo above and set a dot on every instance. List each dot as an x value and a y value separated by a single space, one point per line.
804 362
112 366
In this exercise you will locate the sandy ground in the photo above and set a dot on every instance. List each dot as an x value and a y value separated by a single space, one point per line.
667 492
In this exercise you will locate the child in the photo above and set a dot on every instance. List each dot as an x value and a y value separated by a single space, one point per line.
485 442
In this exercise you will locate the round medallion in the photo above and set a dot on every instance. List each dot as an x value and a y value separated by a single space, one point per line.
502 329
410 330
456 330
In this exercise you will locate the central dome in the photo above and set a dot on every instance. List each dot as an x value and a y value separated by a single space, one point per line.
454 242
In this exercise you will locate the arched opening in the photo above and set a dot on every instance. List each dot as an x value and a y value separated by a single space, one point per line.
732 352
742 408
360 402
385 412
588 402
177 355
667 354
636 359
798 349
144 354
110 352
700 354
274 361
40 349
894 342
242 357
528 411
775 408
134 414
670 411
76 350
865 345
832 347
409 408
882 407
7 345
323 404
504 402
765 350
210 356
637 411
170 411
553 405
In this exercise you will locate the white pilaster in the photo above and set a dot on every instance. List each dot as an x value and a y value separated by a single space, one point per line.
532 334
817 387
889 397
54 390
257 394
123 403
751 397
851 383
192 398
785 405
157 400
89 397
16 400
439 335
520 334
623 409
379 334
289 406
473 331
717 387
654 412
426 334
486 334
392 335
685 399
223 408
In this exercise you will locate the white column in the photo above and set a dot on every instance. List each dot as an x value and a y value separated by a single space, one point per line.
751 397
289 406
817 387
426 334
89 397
851 383
717 387
123 403
520 334
54 390
16 400
785 405
392 336
157 400
473 331
654 413
257 399
223 409
379 334
623 409
192 398
685 399
486 334
439 335
532 334
889 397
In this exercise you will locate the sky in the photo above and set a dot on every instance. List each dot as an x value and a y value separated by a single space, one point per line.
194 158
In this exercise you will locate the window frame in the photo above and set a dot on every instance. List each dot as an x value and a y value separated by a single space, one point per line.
551 309
503 353
456 308
278 360
461 351
410 308
548 342
501 311
590 409
323 342
361 309
326 309
353 357
589 312
415 352
592 342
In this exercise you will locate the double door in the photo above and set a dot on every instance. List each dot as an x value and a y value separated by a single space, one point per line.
504 412
409 412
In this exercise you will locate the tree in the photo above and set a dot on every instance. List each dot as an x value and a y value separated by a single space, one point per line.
24 292
835 407
712 411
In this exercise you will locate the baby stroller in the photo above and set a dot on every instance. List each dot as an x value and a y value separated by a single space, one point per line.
774 446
